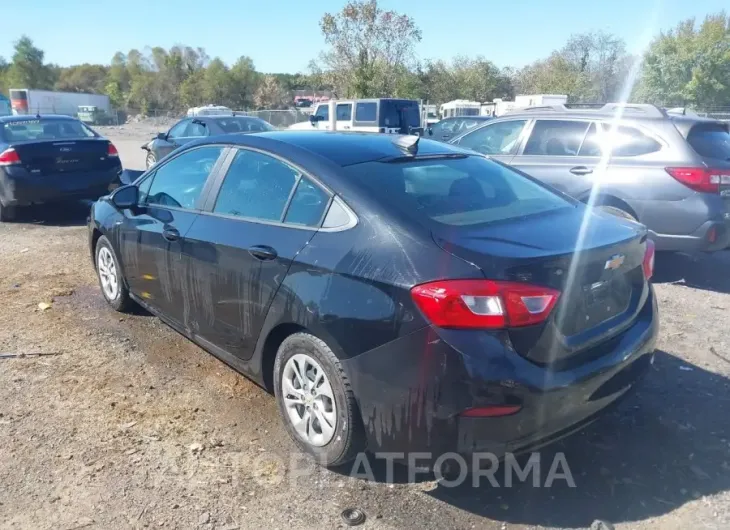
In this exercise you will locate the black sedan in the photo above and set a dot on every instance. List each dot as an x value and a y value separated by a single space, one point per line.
190 129
395 295
45 159
448 128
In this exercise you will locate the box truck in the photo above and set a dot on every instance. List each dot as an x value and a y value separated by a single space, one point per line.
31 101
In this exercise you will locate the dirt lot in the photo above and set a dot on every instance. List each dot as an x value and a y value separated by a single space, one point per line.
133 426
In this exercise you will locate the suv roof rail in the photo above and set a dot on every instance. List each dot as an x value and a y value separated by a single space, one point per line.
645 109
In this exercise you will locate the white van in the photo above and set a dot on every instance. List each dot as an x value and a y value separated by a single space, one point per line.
390 116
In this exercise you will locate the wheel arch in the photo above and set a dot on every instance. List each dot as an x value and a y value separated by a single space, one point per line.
608 199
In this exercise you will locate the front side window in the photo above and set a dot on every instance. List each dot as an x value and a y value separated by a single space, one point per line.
196 129
324 111
344 112
179 182
178 130
556 138
501 138
257 186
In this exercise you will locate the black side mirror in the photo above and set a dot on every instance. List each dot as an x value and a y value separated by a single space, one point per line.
125 197
161 136
314 118
430 131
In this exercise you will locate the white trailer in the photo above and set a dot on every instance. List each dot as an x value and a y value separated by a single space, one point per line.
31 101
460 107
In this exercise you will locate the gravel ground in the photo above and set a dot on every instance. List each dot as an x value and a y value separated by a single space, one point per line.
133 426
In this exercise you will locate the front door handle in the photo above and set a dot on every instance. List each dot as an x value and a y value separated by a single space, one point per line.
581 170
262 252
171 234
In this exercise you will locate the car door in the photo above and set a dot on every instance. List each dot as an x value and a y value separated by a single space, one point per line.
239 251
500 140
171 141
344 116
562 153
152 235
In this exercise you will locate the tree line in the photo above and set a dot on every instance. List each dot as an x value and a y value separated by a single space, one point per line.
371 53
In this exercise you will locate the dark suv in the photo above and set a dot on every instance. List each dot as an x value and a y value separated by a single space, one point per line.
670 172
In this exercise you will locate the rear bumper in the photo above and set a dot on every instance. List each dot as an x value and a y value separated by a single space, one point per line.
31 189
411 392
709 237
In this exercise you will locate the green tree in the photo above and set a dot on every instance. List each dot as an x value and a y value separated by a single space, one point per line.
27 69
369 48
689 65
244 82
270 94
83 78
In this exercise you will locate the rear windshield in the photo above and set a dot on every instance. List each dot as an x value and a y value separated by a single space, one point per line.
711 141
457 191
399 114
234 125
40 129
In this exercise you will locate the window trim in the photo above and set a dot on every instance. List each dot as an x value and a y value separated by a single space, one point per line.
344 104
217 185
204 193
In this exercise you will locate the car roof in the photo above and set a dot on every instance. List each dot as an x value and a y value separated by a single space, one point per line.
30 117
225 116
341 148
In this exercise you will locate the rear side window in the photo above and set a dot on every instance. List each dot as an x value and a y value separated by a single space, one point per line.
179 182
344 112
501 138
235 125
366 111
307 204
456 192
399 114
628 141
40 129
711 141
556 138
257 186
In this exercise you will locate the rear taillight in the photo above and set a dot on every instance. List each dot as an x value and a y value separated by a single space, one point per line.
484 304
700 178
9 157
648 264
112 151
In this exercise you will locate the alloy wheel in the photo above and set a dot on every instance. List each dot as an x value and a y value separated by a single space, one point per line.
309 400
108 273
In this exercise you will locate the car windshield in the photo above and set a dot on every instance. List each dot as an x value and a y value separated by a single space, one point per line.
711 141
461 191
234 125
44 129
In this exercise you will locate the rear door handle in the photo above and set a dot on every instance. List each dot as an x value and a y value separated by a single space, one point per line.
262 252
581 170
171 234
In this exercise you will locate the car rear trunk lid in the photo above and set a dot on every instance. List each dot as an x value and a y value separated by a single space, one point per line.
65 156
602 285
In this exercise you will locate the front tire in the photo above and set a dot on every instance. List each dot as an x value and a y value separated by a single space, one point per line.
112 283
316 401
150 160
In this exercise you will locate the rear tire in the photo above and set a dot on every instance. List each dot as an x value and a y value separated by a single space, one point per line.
7 213
112 282
150 160
309 382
